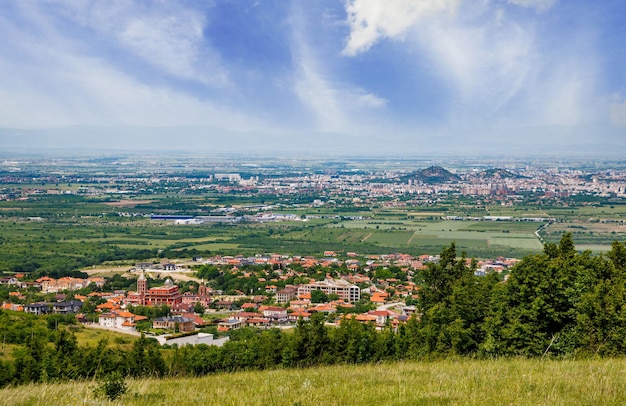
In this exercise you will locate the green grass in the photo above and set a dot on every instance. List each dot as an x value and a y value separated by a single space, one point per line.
390 238
462 382
91 336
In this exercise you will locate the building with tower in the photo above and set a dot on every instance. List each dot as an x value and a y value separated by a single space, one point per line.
167 294
203 297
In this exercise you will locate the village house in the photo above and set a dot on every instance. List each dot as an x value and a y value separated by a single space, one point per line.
182 324
8 280
230 324
38 308
300 313
275 314
119 319
69 307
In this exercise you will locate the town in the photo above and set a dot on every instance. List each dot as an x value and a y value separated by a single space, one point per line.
375 289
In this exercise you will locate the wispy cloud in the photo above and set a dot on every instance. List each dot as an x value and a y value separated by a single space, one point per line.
166 35
51 76
336 106
493 64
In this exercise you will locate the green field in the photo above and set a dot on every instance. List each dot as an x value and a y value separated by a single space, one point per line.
77 232
461 382
474 237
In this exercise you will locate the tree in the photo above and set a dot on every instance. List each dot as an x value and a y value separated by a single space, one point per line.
198 308
318 296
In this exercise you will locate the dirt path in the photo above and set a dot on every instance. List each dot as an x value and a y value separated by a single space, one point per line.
366 237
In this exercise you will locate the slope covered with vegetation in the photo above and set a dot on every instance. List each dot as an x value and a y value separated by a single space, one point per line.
450 382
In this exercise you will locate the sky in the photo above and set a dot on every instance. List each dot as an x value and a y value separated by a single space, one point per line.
324 76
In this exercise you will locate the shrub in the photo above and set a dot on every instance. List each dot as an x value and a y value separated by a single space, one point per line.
112 386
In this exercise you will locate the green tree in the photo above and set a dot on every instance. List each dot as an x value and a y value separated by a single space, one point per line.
318 296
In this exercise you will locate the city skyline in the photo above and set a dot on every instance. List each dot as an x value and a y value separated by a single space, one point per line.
353 77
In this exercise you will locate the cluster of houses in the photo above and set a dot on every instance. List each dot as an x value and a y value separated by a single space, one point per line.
294 302
51 285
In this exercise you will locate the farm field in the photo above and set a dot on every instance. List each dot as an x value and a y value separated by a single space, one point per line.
472 236
56 233
451 382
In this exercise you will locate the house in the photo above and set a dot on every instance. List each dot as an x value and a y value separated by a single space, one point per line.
287 294
69 307
379 297
230 324
293 317
119 319
169 267
382 316
180 323
243 316
8 280
38 308
12 306
260 322
275 314
181 308
197 320
97 280
249 306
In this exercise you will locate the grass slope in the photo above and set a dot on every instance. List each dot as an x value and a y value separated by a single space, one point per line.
462 382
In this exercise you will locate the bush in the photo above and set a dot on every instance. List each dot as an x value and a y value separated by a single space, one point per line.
112 387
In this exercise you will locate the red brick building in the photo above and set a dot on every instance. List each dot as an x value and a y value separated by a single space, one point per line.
167 294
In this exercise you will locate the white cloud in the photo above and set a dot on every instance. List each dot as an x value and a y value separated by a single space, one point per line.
539 5
493 66
166 35
75 90
371 20
46 80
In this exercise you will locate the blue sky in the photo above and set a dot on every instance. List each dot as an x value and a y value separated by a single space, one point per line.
416 76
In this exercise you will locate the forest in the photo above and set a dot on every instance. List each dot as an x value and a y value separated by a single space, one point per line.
559 304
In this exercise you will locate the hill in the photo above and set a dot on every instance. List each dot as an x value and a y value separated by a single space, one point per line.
432 174
499 173
467 382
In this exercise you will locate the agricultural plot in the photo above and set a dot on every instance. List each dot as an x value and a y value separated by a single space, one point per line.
474 237
390 238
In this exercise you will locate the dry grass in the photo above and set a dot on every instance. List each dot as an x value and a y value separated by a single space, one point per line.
504 382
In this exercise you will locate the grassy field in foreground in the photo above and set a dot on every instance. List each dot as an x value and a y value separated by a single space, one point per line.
465 382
